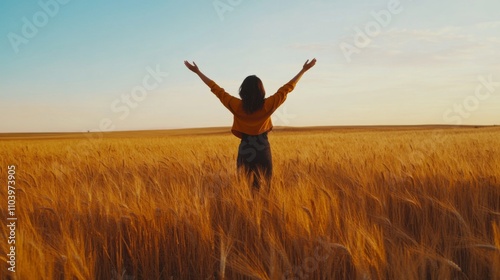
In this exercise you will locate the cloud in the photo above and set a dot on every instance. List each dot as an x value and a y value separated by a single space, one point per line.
445 34
449 45
313 46
488 25
446 46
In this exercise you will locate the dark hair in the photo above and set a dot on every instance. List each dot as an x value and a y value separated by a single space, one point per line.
252 94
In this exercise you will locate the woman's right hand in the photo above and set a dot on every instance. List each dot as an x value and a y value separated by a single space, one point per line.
308 65
193 67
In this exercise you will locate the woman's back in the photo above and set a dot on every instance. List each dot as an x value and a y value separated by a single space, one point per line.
257 122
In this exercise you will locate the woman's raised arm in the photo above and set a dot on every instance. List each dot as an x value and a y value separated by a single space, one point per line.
193 67
227 100
308 65
279 97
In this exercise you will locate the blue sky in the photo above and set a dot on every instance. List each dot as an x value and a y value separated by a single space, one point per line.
75 65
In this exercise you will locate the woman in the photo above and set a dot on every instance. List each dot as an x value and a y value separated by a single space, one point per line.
252 120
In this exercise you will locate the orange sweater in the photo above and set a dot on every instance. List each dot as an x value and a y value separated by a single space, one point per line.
257 122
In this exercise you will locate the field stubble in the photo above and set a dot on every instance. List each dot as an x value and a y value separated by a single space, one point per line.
421 204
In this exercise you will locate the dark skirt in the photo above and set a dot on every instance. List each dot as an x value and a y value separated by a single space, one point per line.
254 158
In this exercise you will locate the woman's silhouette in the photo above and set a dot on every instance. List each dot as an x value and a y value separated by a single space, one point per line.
252 120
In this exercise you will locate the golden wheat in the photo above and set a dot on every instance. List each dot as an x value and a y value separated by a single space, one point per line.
343 204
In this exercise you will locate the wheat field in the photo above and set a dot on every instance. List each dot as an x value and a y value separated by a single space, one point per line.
343 204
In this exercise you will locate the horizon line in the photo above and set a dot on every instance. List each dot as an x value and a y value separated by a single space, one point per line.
275 127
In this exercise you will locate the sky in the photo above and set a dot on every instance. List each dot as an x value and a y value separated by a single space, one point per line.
88 65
